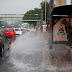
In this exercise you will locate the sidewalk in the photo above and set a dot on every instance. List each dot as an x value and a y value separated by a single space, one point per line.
56 59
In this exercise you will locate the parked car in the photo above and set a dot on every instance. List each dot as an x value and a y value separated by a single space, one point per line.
10 32
4 43
18 31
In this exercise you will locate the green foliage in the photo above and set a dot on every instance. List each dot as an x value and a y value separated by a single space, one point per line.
32 14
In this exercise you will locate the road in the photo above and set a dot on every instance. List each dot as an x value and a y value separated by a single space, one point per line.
31 53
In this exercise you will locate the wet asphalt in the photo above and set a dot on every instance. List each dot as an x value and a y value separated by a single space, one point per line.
30 52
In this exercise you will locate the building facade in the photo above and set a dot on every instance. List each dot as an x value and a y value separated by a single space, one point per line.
62 2
59 2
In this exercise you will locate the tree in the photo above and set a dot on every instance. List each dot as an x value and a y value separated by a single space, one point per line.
32 14
43 8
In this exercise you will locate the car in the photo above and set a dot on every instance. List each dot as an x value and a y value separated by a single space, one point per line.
4 43
24 30
18 31
3 27
10 32
0 28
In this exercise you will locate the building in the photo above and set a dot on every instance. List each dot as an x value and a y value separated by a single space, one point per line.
59 2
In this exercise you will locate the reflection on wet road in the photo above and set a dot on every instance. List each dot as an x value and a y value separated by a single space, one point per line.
25 54
30 53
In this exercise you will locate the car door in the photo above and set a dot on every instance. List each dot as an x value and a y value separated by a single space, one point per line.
14 33
5 40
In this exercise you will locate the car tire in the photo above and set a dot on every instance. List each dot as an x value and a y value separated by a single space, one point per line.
2 51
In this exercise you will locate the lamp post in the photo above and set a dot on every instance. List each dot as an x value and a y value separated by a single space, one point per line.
45 11
41 17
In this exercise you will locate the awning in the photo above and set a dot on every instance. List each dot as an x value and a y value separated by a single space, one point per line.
62 10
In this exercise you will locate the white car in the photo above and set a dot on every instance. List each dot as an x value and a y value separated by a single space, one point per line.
18 31
24 30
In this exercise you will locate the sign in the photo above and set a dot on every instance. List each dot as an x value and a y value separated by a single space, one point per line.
61 2
44 27
54 1
59 31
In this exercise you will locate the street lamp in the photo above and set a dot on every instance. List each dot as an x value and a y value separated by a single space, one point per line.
45 11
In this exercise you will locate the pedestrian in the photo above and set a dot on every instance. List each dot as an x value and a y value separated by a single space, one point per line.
68 29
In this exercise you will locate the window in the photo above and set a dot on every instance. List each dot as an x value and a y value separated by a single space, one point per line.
8 30
17 29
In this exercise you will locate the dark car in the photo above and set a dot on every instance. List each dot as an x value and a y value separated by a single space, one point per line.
4 43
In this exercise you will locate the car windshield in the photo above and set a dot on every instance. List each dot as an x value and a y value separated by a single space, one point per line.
8 30
17 29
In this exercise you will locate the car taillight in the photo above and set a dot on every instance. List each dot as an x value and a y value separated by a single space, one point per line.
12 32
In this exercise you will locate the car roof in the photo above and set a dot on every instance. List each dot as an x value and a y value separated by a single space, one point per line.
8 29
16 28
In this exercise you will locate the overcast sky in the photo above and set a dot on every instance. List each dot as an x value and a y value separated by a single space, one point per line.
68 2
18 6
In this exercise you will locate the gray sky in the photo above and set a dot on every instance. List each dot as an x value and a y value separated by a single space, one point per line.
18 6
68 2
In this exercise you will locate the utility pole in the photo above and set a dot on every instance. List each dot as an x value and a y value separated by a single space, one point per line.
45 11
41 17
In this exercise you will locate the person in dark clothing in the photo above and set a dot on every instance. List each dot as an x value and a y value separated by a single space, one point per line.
68 29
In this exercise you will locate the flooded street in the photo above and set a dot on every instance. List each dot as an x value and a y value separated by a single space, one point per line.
31 53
